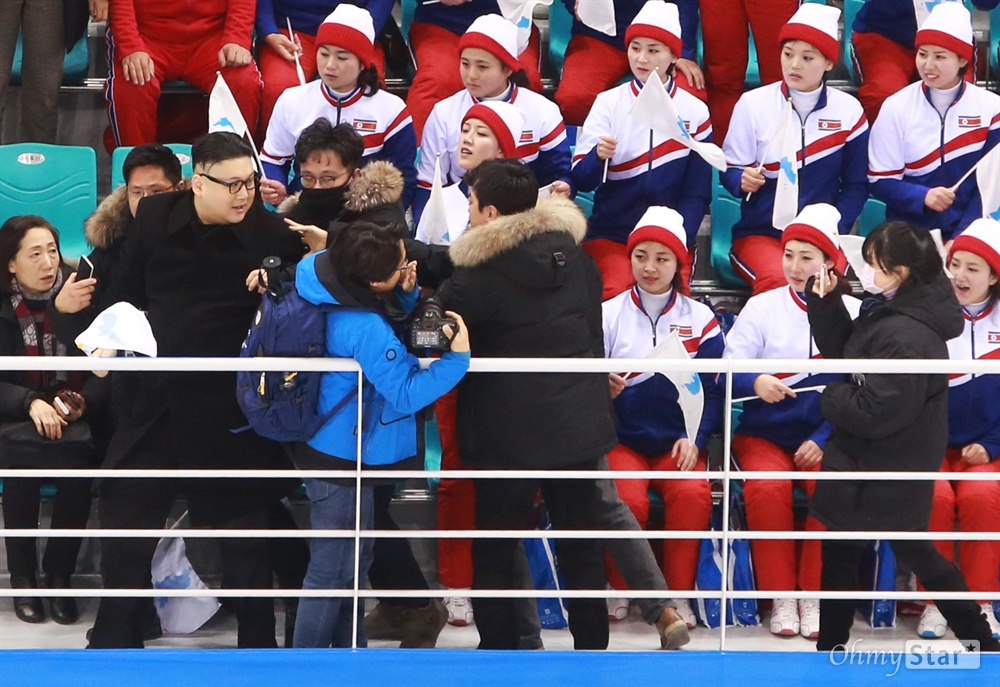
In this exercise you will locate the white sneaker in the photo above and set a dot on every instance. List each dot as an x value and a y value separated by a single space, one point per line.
618 609
459 611
991 618
932 624
785 617
809 618
686 612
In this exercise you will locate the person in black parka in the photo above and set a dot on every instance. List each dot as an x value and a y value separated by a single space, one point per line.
887 422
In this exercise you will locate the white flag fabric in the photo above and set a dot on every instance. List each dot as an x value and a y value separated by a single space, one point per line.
785 145
121 327
446 214
224 115
654 108
522 14
988 180
223 112
598 15
690 393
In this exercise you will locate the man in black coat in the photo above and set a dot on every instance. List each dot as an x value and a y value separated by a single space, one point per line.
185 263
528 290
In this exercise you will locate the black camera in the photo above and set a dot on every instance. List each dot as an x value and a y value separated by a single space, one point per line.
425 327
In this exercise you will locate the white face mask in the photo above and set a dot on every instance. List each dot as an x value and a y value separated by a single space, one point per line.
867 278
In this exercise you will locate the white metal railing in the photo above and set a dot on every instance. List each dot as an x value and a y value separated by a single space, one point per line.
511 365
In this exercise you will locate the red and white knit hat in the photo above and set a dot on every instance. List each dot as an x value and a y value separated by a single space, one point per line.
349 28
949 26
659 21
504 120
663 225
495 35
818 225
982 238
816 25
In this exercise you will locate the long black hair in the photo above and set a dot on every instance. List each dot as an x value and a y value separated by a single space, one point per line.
896 244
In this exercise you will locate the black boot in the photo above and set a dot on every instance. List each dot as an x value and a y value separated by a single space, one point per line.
28 609
64 609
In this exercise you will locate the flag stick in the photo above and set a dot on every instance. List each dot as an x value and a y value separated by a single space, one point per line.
298 64
966 175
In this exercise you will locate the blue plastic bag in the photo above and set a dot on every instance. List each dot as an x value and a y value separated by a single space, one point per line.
740 576
545 574
878 573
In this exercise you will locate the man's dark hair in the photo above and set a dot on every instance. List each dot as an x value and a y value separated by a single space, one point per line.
900 244
342 139
12 233
219 147
507 184
363 252
153 155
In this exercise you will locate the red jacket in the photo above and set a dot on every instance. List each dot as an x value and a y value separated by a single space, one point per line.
179 22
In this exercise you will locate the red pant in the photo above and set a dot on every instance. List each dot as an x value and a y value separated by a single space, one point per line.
456 502
279 73
769 508
724 27
436 52
615 264
132 109
885 67
688 506
757 260
976 506
593 66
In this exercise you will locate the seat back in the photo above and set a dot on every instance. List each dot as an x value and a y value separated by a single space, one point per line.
76 63
58 183
724 214
182 150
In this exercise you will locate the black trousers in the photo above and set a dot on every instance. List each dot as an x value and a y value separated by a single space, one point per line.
841 561
572 505
394 566
70 509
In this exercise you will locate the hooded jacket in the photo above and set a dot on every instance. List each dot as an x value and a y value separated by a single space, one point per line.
394 385
527 290
885 422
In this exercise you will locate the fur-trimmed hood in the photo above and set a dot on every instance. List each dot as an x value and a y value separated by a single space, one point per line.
551 215
110 220
378 183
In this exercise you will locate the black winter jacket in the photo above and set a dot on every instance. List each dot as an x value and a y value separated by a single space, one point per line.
527 290
895 422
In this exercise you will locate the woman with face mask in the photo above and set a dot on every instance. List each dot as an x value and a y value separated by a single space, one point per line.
887 422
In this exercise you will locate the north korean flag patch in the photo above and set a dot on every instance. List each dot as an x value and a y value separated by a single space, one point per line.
993 338
829 125
526 137
682 331
365 126
970 122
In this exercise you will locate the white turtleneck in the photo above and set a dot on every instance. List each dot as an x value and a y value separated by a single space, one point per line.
942 98
975 308
654 303
805 102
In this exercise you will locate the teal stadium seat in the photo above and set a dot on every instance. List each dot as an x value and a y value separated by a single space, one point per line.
182 150
57 182
995 43
724 214
409 7
872 215
75 64
560 27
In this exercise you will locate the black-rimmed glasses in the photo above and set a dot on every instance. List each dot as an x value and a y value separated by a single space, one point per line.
250 183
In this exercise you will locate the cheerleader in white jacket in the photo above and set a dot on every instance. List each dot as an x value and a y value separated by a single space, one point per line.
650 421
973 423
783 428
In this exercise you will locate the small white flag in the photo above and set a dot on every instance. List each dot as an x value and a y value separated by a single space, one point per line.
785 146
654 108
298 62
522 14
224 115
121 327
446 214
988 180
690 393
598 15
